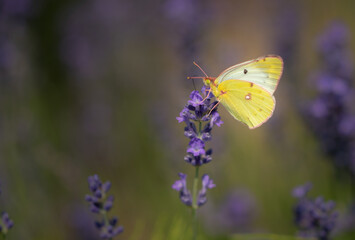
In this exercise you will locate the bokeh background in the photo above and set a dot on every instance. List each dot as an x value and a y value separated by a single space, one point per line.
95 87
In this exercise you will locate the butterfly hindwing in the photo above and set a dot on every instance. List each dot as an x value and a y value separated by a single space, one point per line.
246 101
263 71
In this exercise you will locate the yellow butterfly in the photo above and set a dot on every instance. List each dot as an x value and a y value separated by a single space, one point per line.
246 89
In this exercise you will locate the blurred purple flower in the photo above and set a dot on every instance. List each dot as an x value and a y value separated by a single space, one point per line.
16 8
302 190
288 27
314 217
5 222
80 222
90 35
187 20
236 212
101 204
328 114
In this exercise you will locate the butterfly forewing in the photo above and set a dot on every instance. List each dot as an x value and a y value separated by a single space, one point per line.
263 71
246 102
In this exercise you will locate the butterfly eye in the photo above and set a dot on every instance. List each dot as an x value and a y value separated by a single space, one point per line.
207 81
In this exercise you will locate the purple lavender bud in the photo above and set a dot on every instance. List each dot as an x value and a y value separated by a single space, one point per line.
98 193
106 186
301 191
207 183
109 202
207 158
190 131
177 185
90 198
215 119
190 159
196 147
99 224
113 221
206 136
117 231
195 99
105 235
180 186
94 209
184 115
94 182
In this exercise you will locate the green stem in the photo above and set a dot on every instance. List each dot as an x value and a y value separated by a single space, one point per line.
194 189
106 222
194 203
194 192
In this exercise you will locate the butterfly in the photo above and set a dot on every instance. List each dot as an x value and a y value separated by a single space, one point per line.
246 89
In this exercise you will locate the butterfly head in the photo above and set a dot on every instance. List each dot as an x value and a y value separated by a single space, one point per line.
208 81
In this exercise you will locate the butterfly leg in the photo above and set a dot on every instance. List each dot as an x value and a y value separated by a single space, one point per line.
209 91
214 107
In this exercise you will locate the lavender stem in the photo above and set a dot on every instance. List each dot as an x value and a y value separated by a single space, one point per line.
194 192
194 202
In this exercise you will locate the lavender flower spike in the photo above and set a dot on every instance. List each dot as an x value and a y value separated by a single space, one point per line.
5 223
199 120
330 114
200 115
101 204
314 217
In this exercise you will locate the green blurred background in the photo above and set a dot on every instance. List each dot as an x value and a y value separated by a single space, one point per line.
95 87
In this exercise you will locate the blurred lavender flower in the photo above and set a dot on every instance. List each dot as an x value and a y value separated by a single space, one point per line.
287 29
329 115
187 19
101 203
313 217
234 214
200 115
16 8
5 222
88 53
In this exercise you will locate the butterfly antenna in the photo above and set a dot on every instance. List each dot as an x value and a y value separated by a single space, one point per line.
200 68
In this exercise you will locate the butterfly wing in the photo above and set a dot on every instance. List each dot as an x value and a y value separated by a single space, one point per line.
246 102
264 71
